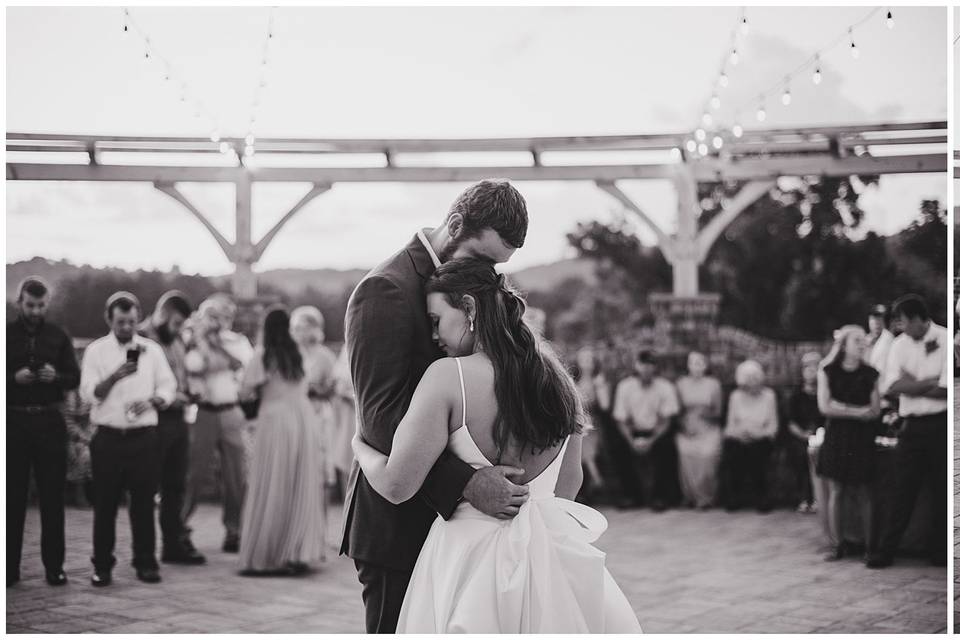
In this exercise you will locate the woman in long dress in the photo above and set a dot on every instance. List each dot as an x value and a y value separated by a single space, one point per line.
700 439
501 397
283 520
848 396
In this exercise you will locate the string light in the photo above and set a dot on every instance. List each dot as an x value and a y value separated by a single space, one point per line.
889 19
707 119
737 131
744 27
715 101
248 151
126 23
724 79
761 113
249 139
700 135
817 76
786 98
717 142
734 57
703 149
691 146
853 45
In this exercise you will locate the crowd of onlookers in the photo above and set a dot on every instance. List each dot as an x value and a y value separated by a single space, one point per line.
687 442
176 394
168 404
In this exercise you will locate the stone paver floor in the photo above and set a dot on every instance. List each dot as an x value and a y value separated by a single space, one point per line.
683 571
956 507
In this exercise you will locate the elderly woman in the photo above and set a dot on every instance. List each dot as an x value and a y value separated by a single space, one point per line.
307 328
699 441
748 438
848 396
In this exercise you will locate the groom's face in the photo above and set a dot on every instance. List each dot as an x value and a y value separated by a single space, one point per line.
486 245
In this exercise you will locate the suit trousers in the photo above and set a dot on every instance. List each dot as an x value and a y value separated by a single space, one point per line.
383 593
36 442
222 432
127 460
921 458
174 458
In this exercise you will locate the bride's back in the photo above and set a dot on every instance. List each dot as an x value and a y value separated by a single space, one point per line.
481 419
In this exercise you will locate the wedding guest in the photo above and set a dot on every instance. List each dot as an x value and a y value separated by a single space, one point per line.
215 363
41 367
804 418
848 396
163 327
917 372
748 438
879 338
126 379
699 440
643 408
306 327
283 517
594 394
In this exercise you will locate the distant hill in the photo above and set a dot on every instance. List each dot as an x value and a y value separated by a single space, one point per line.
294 281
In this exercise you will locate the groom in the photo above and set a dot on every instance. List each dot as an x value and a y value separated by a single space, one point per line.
390 345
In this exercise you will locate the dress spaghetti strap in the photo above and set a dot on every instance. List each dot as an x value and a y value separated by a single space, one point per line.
463 393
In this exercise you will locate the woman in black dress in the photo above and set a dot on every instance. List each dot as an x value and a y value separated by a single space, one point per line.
849 399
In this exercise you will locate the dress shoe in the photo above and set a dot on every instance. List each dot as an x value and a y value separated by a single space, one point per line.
879 560
231 544
151 576
839 552
182 556
101 578
56 578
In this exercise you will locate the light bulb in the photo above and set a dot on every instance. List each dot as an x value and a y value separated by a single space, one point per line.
786 98
761 114
248 150
724 79
703 149
691 146
700 134
215 136
715 101
675 153
737 131
889 19
734 57
744 27
717 142
249 139
224 146
817 76
853 45
706 119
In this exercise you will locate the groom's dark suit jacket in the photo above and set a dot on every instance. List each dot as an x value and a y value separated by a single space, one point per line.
390 346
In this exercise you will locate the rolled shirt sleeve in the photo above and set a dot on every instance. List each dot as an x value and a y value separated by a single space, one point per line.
165 382
90 375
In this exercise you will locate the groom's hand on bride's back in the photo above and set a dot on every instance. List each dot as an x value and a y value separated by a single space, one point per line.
491 491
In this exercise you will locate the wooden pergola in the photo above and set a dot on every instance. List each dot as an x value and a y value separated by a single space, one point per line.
755 161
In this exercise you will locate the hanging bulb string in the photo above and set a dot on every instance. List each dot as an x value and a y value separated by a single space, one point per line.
740 30
250 138
813 61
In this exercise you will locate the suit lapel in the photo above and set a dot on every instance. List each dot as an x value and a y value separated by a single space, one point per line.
422 263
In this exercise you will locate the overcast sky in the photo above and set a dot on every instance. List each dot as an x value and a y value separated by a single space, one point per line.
426 72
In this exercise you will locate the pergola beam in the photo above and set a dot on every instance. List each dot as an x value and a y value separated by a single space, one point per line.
748 194
171 190
264 242
665 241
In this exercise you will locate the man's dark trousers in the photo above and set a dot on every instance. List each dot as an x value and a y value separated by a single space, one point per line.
921 459
36 441
125 460
174 460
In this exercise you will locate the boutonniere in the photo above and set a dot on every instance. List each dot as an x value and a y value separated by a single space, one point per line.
931 345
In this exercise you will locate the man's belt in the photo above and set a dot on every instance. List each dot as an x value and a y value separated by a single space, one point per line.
217 408
643 433
126 432
34 409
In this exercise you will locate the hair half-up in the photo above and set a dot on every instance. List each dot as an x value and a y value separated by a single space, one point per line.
538 403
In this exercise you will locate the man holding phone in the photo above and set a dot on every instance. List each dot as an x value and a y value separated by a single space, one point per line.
126 379
41 367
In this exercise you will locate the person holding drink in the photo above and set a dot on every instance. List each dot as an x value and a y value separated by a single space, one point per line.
126 379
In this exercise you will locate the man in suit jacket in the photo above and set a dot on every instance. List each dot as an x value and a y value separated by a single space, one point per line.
389 344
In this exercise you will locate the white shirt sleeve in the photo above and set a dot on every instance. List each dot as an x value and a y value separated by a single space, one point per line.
670 406
620 404
90 375
891 369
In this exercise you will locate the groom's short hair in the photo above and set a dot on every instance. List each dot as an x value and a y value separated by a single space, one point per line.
493 204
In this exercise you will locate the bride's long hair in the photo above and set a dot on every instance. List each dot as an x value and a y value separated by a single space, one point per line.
538 402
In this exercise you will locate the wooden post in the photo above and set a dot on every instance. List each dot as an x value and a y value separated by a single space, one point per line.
244 279
686 280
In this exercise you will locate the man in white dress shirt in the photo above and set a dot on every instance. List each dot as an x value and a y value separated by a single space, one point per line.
917 371
879 338
126 379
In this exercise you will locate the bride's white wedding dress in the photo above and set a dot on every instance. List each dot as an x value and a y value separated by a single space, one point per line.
537 573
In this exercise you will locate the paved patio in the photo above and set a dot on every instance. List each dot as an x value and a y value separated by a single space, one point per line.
956 508
683 571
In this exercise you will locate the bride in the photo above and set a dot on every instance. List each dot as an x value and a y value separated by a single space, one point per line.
501 397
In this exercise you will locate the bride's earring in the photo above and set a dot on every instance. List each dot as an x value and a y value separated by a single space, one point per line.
471 325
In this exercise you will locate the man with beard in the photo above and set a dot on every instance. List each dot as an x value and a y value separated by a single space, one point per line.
164 327
41 366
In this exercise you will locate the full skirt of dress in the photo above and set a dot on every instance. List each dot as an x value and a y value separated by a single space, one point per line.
537 573
284 509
